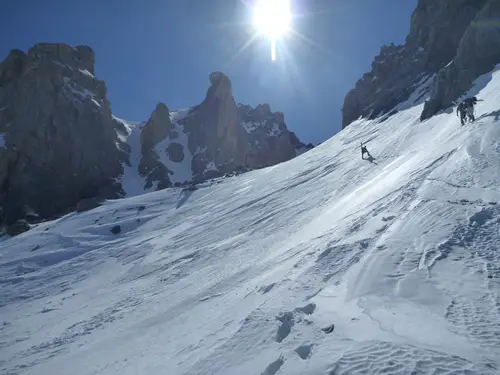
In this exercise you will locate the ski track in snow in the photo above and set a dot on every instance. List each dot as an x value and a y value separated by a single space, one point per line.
326 264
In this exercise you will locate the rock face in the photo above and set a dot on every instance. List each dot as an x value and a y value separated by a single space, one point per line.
214 138
88 204
215 134
17 228
175 152
463 32
477 53
58 139
267 138
158 128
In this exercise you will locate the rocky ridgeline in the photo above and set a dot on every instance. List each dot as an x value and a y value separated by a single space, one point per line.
59 142
62 150
453 40
222 137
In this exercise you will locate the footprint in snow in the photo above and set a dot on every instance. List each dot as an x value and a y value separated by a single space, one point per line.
287 322
274 367
304 351
307 309
266 288
47 309
206 298
480 218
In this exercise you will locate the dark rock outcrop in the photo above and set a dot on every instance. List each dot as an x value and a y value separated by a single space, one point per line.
116 229
267 138
175 152
442 31
215 134
59 140
17 228
157 128
89 204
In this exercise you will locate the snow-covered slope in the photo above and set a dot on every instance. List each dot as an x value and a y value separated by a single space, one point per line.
241 276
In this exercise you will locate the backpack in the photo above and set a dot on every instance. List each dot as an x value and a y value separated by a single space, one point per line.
470 101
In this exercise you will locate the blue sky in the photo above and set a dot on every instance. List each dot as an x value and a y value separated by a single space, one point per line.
164 50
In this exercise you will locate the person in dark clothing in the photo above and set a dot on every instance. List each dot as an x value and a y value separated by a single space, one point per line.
364 151
463 112
466 108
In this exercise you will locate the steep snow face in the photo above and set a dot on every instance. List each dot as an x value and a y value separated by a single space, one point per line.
132 182
326 264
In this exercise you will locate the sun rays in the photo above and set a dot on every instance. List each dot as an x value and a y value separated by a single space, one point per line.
271 19
272 22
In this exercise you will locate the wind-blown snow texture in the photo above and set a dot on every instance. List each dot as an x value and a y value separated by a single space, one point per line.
241 275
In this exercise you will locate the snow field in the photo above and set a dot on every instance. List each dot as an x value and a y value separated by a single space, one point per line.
326 264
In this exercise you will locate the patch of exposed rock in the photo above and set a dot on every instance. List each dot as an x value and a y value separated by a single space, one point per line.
215 134
157 129
175 152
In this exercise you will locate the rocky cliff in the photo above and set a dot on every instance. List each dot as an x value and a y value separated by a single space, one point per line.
212 139
62 149
453 41
58 139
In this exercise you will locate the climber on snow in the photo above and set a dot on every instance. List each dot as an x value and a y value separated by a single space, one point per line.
462 110
364 151
466 108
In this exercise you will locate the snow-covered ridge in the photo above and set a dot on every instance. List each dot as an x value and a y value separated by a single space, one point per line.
325 264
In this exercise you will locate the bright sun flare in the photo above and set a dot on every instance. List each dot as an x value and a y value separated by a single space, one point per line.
272 20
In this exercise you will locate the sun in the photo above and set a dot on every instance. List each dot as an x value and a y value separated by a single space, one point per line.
271 19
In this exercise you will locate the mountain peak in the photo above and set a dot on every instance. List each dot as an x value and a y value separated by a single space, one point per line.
81 57
220 87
